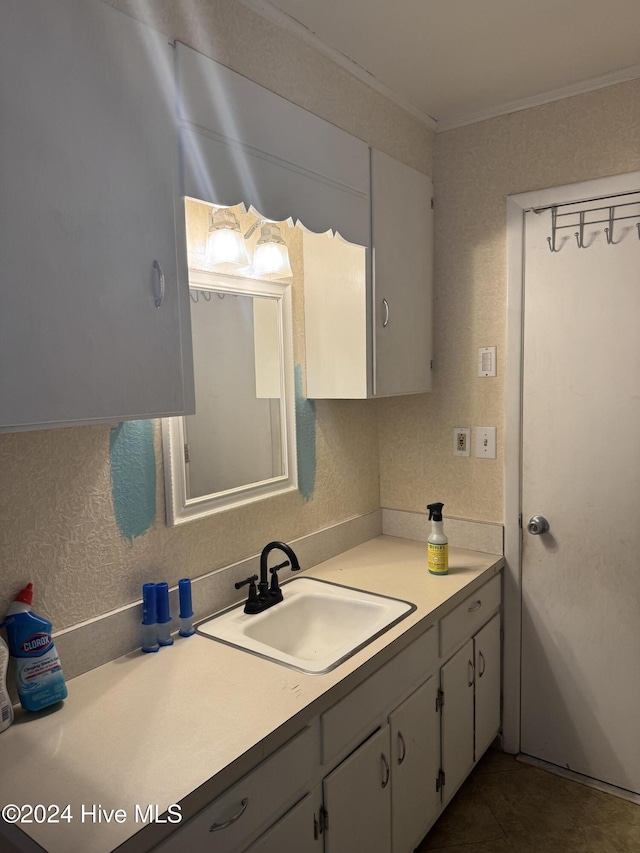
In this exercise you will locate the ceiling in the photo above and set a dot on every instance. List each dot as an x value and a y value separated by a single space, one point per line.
452 62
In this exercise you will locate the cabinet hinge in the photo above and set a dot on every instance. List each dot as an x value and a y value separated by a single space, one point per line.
187 455
439 700
440 780
320 823
431 364
520 520
433 202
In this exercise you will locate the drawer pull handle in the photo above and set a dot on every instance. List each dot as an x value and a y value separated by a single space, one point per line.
243 807
387 771
160 272
482 668
475 606
471 673
403 745
385 322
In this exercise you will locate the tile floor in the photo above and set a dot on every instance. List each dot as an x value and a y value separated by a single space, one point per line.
506 806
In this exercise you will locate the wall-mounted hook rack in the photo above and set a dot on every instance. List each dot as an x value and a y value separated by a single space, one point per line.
609 230
579 235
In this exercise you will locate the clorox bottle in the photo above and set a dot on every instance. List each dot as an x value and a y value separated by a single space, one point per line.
39 675
437 542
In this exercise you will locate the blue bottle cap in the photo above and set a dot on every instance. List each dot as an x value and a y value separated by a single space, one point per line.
184 589
149 604
162 602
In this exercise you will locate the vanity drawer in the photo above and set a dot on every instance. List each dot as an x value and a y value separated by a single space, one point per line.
254 802
350 720
472 614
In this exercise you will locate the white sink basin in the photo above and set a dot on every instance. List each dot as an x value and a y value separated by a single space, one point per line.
317 626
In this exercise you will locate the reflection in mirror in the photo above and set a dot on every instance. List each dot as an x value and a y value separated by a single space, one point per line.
240 444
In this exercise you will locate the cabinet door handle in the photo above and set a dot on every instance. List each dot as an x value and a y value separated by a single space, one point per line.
471 673
476 606
243 807
159 270
403 746
385 322
482 668
387 771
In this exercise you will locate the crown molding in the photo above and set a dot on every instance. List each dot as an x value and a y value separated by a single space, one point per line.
623 75
286 22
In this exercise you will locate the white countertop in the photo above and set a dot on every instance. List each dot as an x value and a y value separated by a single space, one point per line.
152 729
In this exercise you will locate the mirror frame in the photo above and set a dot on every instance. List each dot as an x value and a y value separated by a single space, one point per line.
179 507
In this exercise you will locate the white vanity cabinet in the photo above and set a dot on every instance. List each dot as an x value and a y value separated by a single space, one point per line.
470 685
94 319
375 769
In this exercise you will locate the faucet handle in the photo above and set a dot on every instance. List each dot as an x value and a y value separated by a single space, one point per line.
274 589
252 604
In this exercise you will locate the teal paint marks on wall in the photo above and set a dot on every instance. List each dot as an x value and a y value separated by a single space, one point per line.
305 439
133 477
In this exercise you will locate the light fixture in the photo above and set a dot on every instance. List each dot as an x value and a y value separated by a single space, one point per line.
271 257
225 249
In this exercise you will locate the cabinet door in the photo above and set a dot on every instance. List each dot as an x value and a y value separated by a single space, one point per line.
357 798
487 664
415 761
298 830
456 679
88 174
402 239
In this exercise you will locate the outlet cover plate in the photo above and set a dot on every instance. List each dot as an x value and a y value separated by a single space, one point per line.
461 441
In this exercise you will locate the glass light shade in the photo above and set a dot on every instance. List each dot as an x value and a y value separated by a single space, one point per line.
271 257
225 250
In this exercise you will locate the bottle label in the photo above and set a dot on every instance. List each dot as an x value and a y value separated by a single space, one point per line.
438 558
40 680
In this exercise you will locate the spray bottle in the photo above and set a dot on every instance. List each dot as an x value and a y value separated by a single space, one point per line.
437 542
38 671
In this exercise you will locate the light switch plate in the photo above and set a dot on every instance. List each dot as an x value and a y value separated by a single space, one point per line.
486 442
487 361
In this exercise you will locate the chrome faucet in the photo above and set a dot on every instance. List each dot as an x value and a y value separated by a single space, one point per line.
268 594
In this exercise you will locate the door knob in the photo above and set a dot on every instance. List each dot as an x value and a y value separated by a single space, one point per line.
538 524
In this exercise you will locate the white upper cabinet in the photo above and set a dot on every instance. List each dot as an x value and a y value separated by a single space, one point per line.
402 240
243 143
369 329
88 248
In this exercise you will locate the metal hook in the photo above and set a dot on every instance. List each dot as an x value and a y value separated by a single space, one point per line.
609 231
579 235
552 240
195 295
206 296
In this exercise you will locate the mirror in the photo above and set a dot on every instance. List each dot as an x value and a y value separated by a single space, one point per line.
239 447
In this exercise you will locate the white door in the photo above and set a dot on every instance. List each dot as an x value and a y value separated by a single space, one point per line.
298 829
581 470
486 645
357 797
457 679
415 762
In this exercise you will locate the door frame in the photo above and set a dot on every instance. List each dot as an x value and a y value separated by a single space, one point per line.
512 608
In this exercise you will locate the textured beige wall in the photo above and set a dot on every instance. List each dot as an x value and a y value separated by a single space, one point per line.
475 168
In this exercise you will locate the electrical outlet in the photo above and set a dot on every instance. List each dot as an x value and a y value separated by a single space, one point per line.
486 442
461 441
